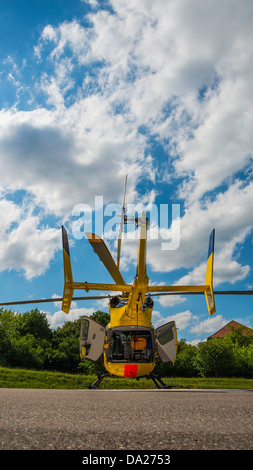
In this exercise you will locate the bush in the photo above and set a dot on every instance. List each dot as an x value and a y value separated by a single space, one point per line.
26 340
215 358
185 364
243 361
20 342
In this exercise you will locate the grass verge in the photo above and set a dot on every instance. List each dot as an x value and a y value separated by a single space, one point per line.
21 378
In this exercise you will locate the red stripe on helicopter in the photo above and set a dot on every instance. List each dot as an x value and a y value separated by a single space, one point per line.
130 370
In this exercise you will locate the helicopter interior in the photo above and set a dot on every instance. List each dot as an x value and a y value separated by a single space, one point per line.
130 344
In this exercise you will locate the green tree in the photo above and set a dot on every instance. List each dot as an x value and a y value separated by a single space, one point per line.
36 324
185 365
242 351
65 347
65 355
18 345
214 358
237 337
26 353
20 342
101 317
7 333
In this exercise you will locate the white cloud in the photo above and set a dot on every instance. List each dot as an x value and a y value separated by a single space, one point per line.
182 319
59 303
93 3
226 269
59 318
195 342
25 245
210 325
49 33
170 300
152 56
70 34
55 162
158 65
222 143
230 214
10 214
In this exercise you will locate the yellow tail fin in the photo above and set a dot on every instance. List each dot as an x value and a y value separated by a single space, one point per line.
209 276
68 278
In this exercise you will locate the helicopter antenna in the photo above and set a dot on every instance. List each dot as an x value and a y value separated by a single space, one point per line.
122 221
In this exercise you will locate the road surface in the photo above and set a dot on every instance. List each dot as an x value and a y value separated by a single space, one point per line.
126 419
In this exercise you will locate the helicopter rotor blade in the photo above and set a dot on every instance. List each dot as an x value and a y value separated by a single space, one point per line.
105 256
217 292
55 299
121 224
99 297
233 292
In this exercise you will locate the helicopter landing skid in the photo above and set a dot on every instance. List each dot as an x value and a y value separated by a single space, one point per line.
97 382
156 379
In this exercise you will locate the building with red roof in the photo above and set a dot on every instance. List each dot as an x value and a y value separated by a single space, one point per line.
231 326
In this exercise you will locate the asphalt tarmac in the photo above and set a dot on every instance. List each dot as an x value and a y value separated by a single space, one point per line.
126 419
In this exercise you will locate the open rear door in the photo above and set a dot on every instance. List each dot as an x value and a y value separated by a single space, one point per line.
166 337
92 338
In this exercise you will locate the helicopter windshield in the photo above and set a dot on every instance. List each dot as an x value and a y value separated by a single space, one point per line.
130 344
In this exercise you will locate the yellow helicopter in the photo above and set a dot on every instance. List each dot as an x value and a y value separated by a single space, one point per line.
129 346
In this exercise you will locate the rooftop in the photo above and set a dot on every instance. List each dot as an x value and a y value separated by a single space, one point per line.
232 325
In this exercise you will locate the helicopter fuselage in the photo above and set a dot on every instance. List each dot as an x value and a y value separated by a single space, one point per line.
130 346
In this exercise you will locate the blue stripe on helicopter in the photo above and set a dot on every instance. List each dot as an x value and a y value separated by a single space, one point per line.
211 243
65 240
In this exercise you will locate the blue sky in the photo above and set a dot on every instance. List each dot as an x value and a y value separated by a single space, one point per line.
162 91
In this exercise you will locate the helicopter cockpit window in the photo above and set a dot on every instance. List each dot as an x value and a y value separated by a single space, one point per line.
84 330
166 336
116 302
133 345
